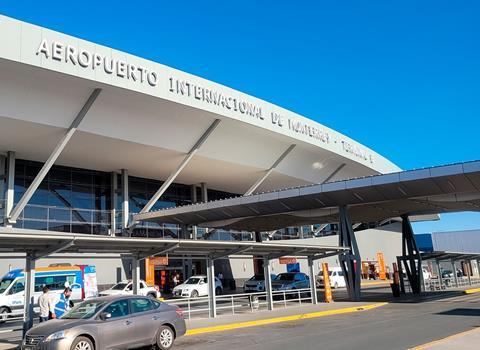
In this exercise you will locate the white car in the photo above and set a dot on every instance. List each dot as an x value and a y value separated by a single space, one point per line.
335 276
196 286
126 288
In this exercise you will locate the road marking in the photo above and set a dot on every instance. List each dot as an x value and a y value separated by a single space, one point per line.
472 291
7 331
297 317
376 283
443 340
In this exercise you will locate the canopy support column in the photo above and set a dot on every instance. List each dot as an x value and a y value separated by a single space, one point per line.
125 198
454 271
350 260
135 275
12 218
313 281
212 306
10 190
267 271
411 258
29 293
180 167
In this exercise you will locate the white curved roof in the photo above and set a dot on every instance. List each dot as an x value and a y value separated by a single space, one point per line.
149 115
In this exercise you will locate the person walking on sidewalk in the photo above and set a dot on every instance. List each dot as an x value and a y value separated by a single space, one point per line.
45 302
63 304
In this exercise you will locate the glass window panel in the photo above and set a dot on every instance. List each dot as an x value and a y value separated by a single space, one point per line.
82 216
83 177
137 185
35 225
60 194
59 226
40 196
61 174
82 197
102 198
101 216
102 179
82 228
59 214
35 212
32 169
100 229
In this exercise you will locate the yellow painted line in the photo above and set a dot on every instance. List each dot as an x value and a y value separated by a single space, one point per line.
375 283
443 340
472 291
230 326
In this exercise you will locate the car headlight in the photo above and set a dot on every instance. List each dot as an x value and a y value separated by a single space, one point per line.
55 336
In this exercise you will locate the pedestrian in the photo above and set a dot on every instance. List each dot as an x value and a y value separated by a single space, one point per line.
176 279
63 303
220 277
45 304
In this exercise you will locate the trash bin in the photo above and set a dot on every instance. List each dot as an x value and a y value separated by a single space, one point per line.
395 290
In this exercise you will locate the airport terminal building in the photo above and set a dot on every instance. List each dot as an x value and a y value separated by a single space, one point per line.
90 136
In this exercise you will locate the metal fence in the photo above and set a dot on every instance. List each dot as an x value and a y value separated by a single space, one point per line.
241 303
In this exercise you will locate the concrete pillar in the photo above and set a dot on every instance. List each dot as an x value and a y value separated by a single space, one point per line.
125 197
10 193
135 275
29 293
313 281
3 177
113 206
204 192
212 306
454 270
267 271
193 194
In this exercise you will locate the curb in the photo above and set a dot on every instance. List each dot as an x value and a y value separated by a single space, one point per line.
274 320
472 291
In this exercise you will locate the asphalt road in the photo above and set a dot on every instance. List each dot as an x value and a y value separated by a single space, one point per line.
394 326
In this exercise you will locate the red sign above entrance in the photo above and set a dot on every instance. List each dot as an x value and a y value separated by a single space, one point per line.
159 260
286 261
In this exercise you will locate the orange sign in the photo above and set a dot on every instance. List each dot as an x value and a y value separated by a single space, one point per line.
286 261
149 272
159 260
381 266
326 284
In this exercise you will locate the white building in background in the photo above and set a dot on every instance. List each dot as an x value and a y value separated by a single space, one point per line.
119 134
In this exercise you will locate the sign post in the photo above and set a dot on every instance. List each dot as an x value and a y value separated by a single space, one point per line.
381 266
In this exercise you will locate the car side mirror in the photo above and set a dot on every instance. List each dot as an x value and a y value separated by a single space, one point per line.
105 316
202 282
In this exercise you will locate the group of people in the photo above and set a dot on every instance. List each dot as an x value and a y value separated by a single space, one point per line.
52 305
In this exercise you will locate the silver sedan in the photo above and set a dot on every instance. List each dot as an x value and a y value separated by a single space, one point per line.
115 322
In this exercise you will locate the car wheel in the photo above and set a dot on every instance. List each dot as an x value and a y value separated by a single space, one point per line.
3 314
194 294
152 296
165 338
218 291
82 343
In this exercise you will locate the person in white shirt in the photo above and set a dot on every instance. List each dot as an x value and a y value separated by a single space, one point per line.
46 304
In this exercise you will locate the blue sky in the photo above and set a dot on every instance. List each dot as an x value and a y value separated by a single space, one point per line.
400 77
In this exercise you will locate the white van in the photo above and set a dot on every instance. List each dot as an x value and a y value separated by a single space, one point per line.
336 278
81 279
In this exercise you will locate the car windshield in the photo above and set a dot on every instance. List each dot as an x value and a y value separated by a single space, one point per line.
192 280
119 286
285 277
257 278
85 309
4 284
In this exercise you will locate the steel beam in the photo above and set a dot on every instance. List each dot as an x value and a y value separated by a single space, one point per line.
411 258
350 260
335 172
230 252
52 158
454 271
10 191
269 171
29 293
52 250
313 281
157 251
212 306
135 275
267 271
326 255
286 253
125 200
180 167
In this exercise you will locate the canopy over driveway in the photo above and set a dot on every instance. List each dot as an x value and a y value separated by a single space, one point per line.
434 190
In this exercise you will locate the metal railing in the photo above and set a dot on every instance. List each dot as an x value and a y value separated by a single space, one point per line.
434 284
241 303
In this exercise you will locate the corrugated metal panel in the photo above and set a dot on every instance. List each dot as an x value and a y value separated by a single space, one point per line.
457 241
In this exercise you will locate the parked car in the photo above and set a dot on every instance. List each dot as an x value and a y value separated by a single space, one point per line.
113 322
82 279
256 283
336 277
196 286
290 280
126 288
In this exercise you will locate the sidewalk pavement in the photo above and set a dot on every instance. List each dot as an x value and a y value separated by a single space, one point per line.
468 340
